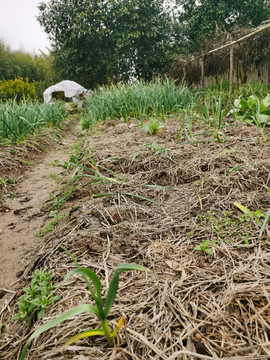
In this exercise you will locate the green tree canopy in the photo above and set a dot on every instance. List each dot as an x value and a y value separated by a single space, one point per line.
201 19
97 40
21 64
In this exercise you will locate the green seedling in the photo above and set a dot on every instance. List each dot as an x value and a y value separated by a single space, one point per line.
51 224
55 177
257 215
250 215
204 247
127 194
92 173
100 310
222 227
33 303
227 152
158 150
188 121
236 168
214 115
153 126
6 181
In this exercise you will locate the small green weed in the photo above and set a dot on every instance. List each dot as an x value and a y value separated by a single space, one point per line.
58 200
258 217
55 177
33 303
204 247
250 216
6 181
217 228
86 171
51 224
158 150
236 168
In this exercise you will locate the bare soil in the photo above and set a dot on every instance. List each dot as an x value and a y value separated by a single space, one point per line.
151 208
32 178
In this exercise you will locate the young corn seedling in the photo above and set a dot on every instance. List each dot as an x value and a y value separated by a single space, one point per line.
101 311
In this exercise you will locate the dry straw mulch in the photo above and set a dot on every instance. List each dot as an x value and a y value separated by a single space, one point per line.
192 305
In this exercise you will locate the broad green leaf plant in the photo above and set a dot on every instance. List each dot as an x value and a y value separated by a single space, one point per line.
99 310
33 303
152 126
254 111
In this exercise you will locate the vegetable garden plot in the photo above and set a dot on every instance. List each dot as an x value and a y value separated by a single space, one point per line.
195 303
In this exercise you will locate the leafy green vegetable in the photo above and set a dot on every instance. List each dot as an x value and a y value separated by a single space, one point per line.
152 126
253 110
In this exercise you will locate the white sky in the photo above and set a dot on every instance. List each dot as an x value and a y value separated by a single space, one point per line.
19 27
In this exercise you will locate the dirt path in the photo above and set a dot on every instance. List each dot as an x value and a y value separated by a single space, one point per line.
23 216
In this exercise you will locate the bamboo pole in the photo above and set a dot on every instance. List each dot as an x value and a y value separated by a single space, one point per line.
241 39
231 71
233 42
202 77
268 76
269 72
201 57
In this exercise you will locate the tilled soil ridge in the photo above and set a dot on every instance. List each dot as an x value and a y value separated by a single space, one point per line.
207 296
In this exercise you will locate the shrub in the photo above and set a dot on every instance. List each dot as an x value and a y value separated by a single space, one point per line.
17 89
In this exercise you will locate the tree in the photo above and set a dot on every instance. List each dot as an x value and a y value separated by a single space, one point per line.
26 66
201 19
97 40
5 61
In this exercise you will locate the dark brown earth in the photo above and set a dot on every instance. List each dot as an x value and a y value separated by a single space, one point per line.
150 208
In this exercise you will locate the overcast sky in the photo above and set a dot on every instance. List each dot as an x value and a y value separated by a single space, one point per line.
19 27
